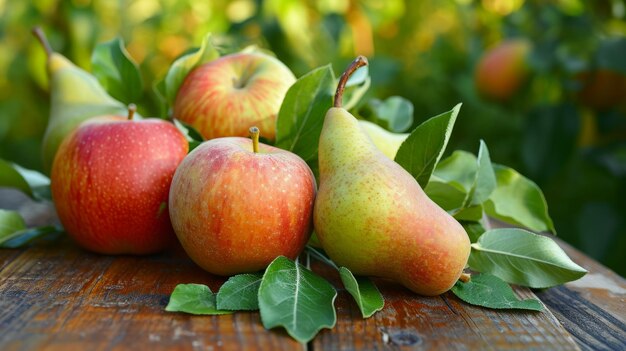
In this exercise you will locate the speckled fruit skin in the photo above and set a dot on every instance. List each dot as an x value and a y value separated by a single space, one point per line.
227 96
234 211
372 217
110 182
502 70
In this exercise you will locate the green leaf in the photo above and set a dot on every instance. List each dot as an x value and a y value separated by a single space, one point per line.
365 293
302 112
469 174
22 237
484 180
297 299
10 223
394 113
359 77
240 292
39 183
31 183
458 170
194 138
194 299
116 71
185 64
11 178
13 231
190 133
524 258
352 95
473 213
474 230
159 92
421 151
489 291
446 195
517 200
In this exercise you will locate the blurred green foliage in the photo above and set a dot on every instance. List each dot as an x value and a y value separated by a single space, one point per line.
424 51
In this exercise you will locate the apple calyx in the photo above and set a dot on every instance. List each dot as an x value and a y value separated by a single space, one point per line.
132 108
358 62
41 37
254 135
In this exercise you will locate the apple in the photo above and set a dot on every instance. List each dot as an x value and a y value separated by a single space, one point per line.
502 70
602 88
227 96
235 204
110 183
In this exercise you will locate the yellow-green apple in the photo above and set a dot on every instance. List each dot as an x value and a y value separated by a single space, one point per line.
227 96
502 70
385 141
110 183
236 206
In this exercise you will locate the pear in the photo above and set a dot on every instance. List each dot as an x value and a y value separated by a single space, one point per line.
75 96
385 141
371 215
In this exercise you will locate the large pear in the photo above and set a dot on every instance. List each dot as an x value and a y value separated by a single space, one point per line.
371 215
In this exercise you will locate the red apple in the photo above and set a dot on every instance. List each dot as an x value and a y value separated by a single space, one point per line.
227 96
110 182
602 89
234 210
502 70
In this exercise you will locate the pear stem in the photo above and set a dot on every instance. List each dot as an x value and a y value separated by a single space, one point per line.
132 108
254 135
358 62
41 37
465 277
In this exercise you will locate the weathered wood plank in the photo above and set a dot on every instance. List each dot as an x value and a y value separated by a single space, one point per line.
62 297
7 256
592 309
56 296
601 286
409 321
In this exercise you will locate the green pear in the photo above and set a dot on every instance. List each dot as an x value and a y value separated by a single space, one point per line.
75 96
371 215
385 141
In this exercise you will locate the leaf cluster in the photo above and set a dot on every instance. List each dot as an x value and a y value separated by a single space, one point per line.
470 187
290 295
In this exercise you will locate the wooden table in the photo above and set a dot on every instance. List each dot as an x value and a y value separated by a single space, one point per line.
57 296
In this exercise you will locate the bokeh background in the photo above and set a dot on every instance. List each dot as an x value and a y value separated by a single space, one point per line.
565 128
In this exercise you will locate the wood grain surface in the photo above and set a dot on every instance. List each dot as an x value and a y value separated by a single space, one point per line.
409 321
593 308
54 295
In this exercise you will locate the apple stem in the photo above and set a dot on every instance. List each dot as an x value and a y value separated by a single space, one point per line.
358 62
132 108
41 37
254 135
465 277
